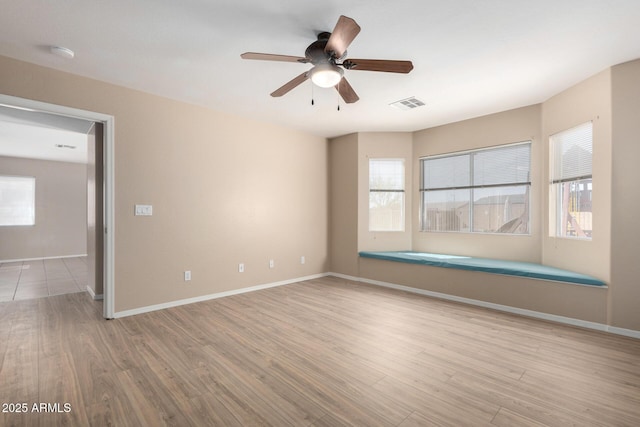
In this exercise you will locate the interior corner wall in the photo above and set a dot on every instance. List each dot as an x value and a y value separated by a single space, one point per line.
518 125
589 100
60 219
343 175
385 145
612 100
625 204
224 189
585 303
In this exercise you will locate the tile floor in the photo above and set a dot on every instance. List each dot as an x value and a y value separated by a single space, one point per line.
42 278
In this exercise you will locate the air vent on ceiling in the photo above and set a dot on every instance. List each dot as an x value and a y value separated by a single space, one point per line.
72 147
407 104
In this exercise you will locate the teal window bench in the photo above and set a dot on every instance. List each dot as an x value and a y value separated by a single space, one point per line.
487 265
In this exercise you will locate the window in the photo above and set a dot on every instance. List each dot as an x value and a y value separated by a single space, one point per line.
481 191
17 200
571 183
386 194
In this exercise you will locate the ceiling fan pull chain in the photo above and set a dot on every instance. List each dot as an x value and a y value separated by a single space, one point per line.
312 102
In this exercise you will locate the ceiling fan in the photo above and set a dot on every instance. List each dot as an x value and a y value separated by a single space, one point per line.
327 54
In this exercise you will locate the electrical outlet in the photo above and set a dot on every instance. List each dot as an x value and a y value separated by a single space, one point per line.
302 260
240 268
187 275
271 263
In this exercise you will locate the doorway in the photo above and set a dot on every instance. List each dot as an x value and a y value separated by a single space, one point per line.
100 214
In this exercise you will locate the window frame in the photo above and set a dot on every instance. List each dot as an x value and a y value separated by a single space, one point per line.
32 179
471 187
387 190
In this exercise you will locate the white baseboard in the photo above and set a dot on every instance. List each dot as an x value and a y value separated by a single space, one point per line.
622 331
41 258
185 301
93 294
509 309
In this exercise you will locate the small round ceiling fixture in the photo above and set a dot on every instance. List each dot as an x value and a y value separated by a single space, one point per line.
62 52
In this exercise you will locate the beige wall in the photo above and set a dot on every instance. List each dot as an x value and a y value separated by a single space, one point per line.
224 190
625 264
385 145
587 303
61 206
344 204
508 127
589 100
227 190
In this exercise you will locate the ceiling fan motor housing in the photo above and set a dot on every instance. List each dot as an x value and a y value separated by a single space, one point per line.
316 50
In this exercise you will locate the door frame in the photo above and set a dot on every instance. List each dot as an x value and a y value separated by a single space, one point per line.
108 166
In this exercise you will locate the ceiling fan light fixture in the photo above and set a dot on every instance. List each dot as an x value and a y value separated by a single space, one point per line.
326 75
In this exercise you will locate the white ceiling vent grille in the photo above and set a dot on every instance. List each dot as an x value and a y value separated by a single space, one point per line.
407 104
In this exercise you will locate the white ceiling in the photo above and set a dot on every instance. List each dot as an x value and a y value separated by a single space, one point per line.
471 57
35 135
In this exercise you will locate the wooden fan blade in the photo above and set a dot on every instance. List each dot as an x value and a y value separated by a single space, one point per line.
272 57
291 84
346 91
343 34
383 65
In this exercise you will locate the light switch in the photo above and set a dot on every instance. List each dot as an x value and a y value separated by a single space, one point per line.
144 210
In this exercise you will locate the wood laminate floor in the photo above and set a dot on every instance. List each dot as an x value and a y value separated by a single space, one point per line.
325 352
